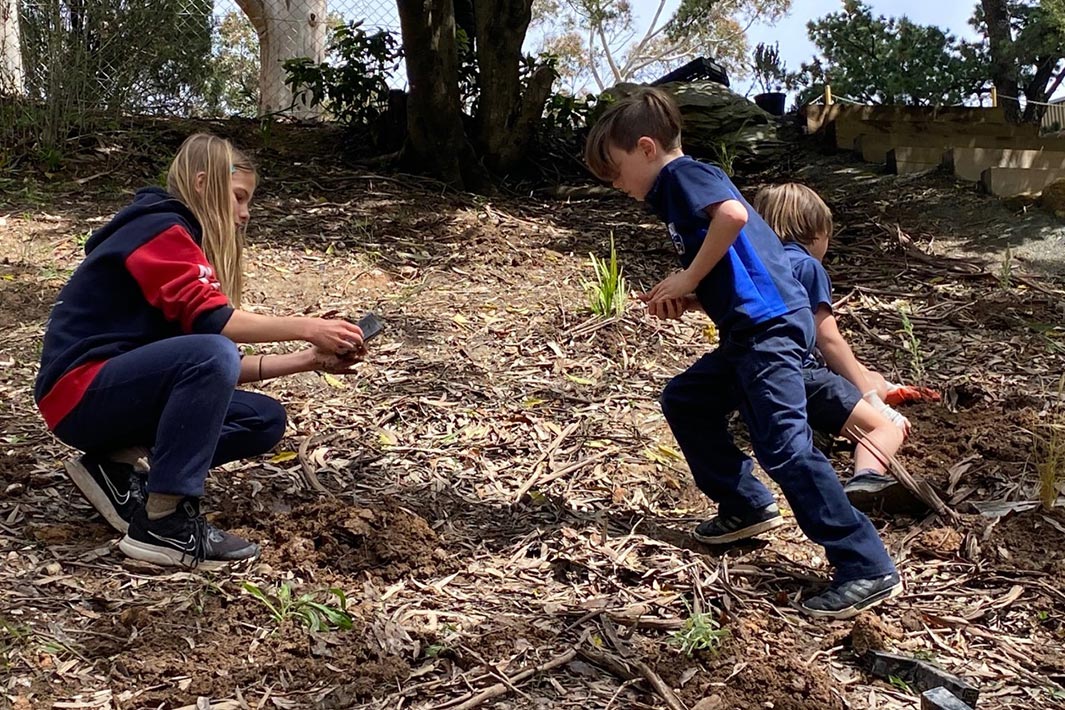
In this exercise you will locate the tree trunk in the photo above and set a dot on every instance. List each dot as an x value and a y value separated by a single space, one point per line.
287 29
506 120
435 140
1003 67
12 77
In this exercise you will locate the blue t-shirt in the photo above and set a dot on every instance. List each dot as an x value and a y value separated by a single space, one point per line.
752 283
815 281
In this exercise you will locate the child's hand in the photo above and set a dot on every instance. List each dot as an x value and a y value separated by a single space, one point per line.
336 336
673 309
672 287
325 361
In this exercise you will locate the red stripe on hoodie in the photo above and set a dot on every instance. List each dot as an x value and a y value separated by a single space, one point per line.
67 392
175 277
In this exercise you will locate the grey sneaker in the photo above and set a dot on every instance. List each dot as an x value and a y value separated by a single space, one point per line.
847 599
112 487
184 539
721 531
869 491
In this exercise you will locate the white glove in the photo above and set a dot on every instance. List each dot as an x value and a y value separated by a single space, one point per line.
892 415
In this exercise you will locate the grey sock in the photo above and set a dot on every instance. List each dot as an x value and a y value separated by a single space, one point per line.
161 505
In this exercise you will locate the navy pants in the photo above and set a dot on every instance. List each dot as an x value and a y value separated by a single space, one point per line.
177 397
759 372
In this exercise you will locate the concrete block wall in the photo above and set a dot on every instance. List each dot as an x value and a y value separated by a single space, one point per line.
976 144
970 163
1010 182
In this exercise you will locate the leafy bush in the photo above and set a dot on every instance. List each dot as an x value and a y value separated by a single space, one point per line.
354 91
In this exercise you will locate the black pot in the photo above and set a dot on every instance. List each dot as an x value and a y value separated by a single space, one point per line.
772 102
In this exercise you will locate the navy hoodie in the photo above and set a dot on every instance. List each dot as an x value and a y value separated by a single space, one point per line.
144 278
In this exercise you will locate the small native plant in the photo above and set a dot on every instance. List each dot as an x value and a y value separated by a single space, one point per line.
11 636
900 684
606 293
701 632
444 644
1005 273
315 615
724 154
913 346
727 150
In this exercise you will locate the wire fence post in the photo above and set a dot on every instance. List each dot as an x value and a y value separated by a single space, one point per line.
994 96
828 95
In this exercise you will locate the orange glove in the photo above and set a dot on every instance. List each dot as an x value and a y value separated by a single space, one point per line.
902 394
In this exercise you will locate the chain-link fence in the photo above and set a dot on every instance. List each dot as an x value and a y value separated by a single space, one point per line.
170 57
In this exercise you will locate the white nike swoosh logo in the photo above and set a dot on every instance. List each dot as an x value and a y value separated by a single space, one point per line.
120 499
183 544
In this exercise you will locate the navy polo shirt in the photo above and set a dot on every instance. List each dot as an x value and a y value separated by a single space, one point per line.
811 274
753 282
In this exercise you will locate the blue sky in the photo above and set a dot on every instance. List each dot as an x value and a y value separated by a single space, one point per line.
790 32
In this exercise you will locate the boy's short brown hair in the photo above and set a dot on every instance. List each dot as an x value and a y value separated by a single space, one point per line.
795 212
646 112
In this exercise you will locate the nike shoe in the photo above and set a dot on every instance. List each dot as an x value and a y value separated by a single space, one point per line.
721 531
114 488
842 601
184 539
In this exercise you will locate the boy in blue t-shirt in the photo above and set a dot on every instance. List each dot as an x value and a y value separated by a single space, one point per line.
842 395
738 271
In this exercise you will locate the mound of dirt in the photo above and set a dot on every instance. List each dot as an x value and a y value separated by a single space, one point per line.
389 541
871 633
786 681
155 650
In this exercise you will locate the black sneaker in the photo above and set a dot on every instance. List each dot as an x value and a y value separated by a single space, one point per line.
112 487
184 539
842 601
869 491
721 531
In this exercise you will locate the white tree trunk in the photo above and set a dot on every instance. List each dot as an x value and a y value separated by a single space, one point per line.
287 29
12 77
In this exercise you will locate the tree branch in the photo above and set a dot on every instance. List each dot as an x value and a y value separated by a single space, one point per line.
649 59
256 12
609 56
647 35
592 60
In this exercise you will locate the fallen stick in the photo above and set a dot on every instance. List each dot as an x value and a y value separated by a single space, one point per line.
545 456
642 671
578 465
501 688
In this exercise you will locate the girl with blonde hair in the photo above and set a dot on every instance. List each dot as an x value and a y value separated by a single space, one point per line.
140 353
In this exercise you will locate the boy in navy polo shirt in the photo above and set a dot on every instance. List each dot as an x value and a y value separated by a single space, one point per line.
739 274
842 395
